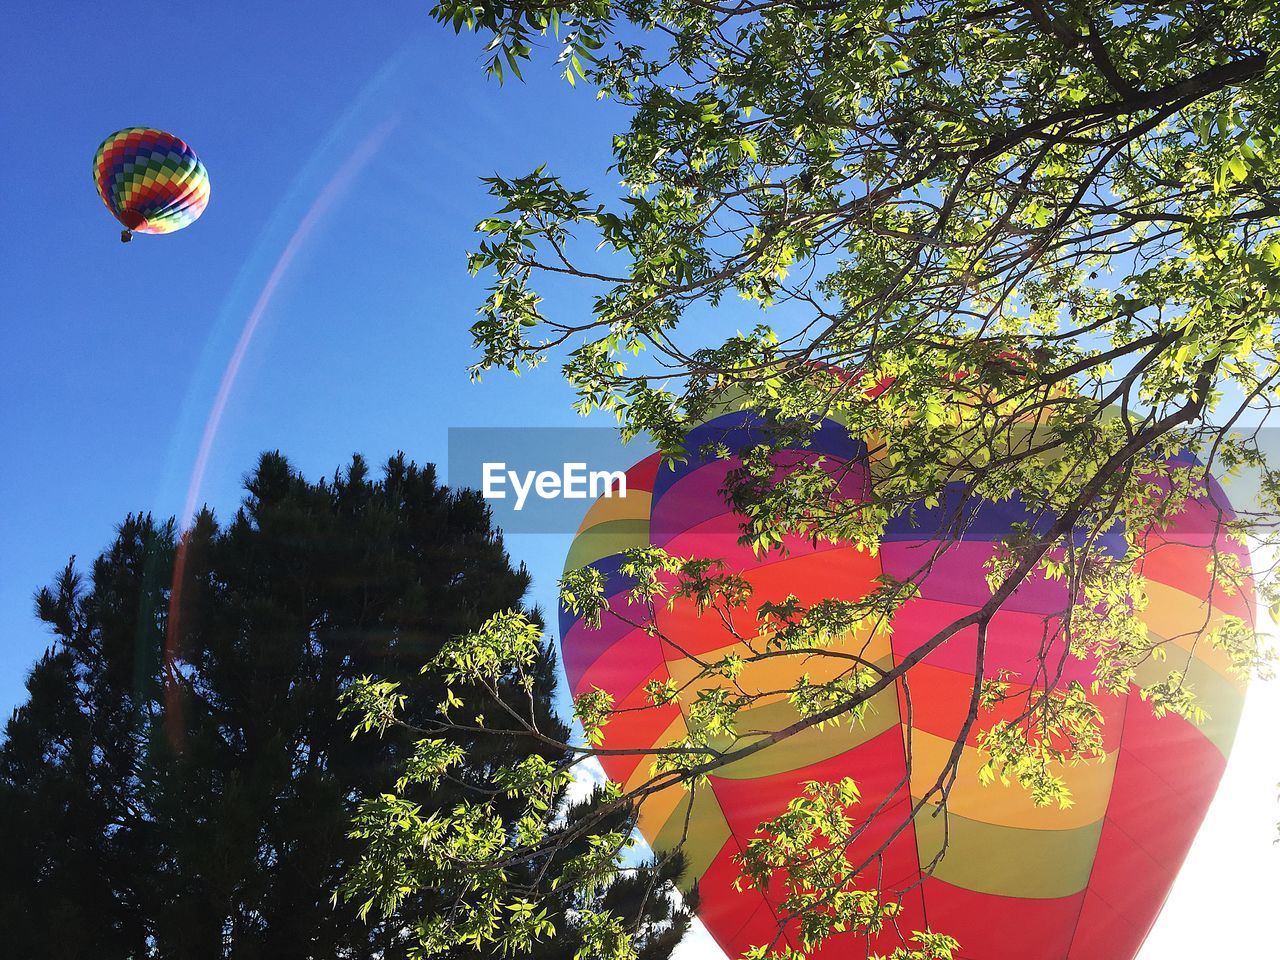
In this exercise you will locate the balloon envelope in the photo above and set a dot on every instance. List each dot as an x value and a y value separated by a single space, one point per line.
151 181
1017 882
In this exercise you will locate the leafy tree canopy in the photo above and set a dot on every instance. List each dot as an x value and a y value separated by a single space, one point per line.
1025 248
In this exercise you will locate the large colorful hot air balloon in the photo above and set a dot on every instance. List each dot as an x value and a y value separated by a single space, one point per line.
151 181
1017 882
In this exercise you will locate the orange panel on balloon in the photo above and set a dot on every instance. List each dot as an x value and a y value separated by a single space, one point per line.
1043 929
940 701
1184 568
810 577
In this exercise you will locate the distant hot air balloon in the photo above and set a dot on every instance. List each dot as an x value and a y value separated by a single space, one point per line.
1017 882
151 181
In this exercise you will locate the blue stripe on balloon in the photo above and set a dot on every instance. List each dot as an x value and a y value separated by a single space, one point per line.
957 518
743 429
615 582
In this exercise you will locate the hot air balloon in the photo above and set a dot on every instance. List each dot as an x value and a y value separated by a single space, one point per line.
1018 882
151 181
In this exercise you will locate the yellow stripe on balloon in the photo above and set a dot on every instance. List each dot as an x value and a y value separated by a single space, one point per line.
1007 861
605 540
634 506
1221 697
997 804
697 828
1181 619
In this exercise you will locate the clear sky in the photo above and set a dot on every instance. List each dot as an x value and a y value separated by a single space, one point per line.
320 307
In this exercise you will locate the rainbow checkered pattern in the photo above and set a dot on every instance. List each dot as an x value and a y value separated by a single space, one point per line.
151 181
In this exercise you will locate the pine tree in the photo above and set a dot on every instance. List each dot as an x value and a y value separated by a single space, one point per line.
180 783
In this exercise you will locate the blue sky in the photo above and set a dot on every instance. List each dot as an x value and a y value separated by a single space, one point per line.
344 150
344 144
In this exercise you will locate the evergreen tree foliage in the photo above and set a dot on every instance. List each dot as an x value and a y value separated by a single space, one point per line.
180 783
